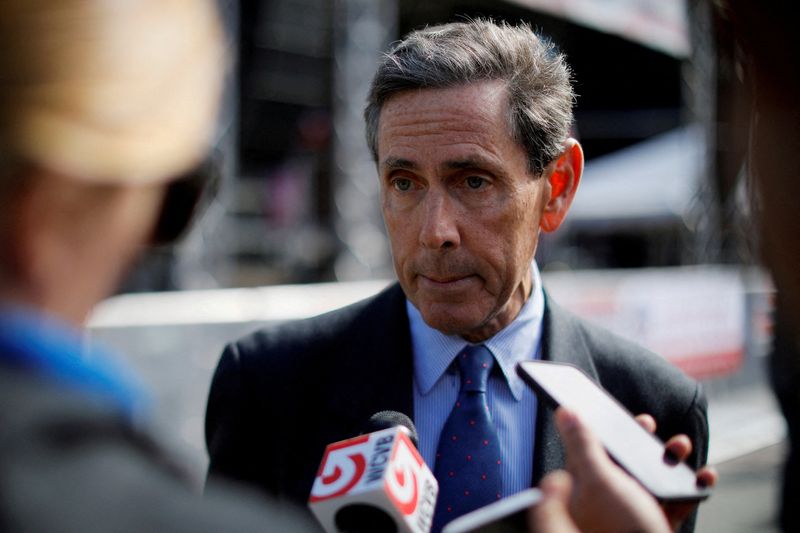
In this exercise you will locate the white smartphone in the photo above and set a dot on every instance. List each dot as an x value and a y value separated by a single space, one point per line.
640 453
508 515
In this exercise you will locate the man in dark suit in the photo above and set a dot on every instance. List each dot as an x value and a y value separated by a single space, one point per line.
468 124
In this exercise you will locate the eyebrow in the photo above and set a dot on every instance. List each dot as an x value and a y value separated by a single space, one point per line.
456 164
399 163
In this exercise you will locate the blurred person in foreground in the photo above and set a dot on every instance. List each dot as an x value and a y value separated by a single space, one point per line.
469 127
103 105
770 41
768 48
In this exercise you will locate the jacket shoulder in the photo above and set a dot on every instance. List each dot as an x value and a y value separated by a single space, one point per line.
306 341
612 356
643 381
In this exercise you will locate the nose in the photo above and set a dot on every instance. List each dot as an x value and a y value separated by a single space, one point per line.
439 229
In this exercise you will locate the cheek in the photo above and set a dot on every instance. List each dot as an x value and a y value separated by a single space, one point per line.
400 227
137 215
527 217
512 244
403 253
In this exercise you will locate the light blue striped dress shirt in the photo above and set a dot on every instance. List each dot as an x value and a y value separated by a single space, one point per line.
511 402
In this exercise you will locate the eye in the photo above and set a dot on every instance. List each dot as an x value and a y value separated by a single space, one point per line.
401 184
475 182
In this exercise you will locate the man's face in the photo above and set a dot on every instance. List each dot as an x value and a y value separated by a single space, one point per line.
461 208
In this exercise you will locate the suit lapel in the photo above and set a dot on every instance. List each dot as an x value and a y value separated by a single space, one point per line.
376 363
562 341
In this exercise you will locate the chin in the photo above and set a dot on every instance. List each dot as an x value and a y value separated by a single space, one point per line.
450 324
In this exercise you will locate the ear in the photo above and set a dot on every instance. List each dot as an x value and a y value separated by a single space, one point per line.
563 176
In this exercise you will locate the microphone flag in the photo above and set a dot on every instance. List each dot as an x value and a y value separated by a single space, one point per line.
379 477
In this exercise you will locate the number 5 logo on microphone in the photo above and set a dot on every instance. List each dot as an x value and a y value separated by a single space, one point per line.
342 468
402 483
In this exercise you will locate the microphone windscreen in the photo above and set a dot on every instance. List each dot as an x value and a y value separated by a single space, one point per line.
389 419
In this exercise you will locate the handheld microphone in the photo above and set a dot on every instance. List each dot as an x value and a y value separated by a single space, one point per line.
389 419
375 482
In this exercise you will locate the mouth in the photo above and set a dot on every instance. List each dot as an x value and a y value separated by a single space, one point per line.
437 281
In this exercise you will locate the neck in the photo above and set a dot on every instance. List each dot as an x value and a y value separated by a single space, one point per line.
506 314
18 295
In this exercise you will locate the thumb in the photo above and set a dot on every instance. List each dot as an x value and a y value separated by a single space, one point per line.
551 513
585 454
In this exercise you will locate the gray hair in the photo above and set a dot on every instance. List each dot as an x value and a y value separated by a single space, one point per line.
537 77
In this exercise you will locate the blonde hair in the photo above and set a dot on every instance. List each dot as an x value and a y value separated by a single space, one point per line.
109 91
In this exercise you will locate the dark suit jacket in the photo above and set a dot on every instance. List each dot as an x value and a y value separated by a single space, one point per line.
280 395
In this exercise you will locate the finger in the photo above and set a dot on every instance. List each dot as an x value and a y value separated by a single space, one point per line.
647 422
707 477
678 448
604 497
678 512
551 513
557 484
583 450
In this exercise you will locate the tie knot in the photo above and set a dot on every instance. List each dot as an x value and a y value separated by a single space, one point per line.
475 363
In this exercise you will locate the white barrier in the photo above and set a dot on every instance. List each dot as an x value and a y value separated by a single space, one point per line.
701 318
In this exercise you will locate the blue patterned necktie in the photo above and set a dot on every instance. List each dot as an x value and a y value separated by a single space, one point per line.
468 457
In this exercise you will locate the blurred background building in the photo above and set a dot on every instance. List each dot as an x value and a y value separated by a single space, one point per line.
298 201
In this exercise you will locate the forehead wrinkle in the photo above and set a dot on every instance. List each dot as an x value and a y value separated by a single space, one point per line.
455 134
437 122
466 163
412 128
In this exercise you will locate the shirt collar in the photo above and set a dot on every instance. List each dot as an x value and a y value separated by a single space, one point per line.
519 341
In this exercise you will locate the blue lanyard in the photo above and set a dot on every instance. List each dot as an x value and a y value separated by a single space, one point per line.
48 348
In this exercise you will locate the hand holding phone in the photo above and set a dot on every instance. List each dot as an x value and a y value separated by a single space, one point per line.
640 453
594 494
